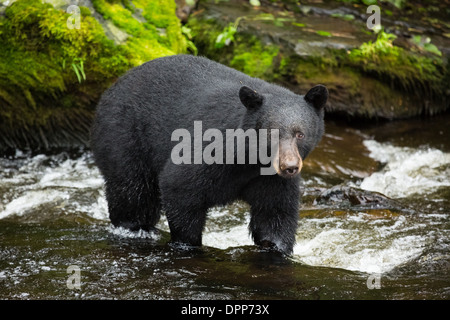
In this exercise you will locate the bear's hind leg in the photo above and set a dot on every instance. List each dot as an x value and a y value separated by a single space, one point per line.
134 205
186 220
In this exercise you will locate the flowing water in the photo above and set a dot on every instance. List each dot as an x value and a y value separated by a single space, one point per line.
374 225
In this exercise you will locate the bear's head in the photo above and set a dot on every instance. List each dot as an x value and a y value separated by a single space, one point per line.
299 120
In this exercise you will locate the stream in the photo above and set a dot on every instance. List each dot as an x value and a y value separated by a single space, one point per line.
374 224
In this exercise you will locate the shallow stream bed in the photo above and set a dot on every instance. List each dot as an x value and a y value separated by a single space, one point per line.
374 225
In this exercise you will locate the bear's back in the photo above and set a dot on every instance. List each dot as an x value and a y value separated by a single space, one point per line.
174 91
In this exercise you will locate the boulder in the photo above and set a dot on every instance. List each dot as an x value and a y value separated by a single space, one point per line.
59 56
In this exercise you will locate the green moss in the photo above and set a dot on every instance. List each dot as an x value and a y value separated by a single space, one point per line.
85 11
403 68
41 49
121 16
159 13
40 90
254 59
159 36
246 53
376 80
205 33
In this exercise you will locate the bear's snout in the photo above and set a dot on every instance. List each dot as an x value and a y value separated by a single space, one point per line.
289 162
290 168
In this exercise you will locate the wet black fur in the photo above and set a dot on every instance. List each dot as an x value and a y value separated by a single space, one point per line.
131 142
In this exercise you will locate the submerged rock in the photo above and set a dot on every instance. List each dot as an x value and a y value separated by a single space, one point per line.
346 196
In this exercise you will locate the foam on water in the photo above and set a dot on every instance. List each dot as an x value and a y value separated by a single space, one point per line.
407 171
358 243
234 236
45 179
141 234
30 200
354 242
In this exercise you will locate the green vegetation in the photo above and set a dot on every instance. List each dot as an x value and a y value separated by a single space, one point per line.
387 61
254 59
424 43
376 79
240 51
323 33
159 36
36 46
51 76
78 67
380 59
226 36
397 3
347 17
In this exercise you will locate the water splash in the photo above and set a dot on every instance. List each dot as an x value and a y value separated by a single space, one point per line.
355 241
70 185
407 171
358 242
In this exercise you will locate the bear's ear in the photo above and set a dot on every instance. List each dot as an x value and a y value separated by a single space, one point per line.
250 98
317 96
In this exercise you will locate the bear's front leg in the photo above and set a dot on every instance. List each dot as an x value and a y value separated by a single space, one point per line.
274 205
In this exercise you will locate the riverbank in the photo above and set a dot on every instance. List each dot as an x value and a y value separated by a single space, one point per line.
395 72
51 77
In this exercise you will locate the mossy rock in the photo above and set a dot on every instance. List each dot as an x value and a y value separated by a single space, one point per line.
368 76
51 76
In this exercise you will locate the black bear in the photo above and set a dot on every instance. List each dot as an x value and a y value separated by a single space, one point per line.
133 143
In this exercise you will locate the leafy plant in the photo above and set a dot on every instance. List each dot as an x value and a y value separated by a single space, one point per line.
187 32
226 36
255 3
424 43
323 33
398 65
347 17
78 67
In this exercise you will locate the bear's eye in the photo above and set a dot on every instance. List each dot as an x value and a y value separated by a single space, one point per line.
299 135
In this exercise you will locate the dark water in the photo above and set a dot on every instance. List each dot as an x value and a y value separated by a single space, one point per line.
374 225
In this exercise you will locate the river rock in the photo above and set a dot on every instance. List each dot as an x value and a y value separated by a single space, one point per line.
301 44
346 196
58 62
